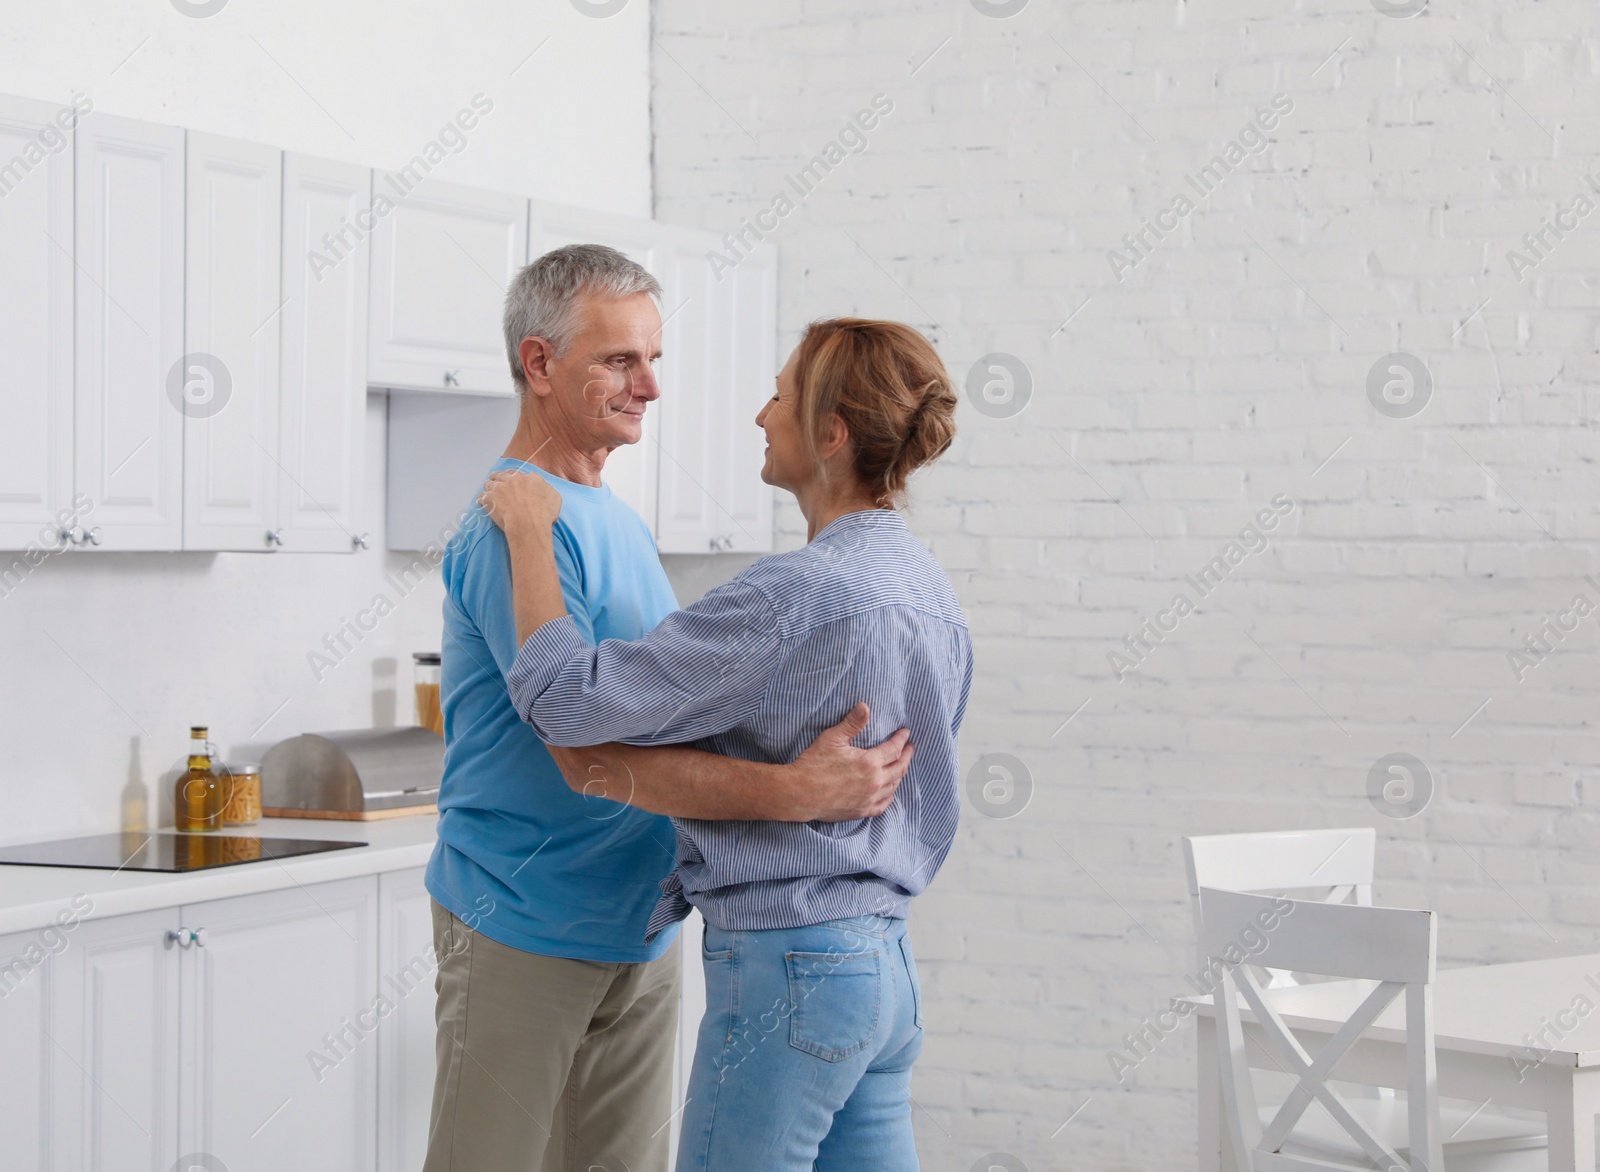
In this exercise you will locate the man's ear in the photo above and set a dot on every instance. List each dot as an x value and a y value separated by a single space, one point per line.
535 355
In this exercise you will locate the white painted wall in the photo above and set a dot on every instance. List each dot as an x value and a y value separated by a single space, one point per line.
1220 372
105 660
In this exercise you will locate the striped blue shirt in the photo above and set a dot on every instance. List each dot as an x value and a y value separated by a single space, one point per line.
756 669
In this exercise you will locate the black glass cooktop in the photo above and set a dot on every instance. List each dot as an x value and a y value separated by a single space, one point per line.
163 851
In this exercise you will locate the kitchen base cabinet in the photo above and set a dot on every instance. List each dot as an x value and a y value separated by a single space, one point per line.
279 1016
289 1030
28 1060
406 968
114 1015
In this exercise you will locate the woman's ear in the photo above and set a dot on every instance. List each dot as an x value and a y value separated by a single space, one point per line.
834 436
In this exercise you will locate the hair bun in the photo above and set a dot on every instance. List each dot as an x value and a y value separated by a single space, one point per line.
889 386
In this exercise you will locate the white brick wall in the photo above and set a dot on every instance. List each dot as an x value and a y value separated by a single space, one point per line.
1220 372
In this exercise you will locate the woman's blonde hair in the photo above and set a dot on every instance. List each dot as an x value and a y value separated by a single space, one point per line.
888 385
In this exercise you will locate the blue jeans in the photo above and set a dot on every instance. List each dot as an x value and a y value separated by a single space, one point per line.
805 1052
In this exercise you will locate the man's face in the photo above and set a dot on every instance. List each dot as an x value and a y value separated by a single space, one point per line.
600 386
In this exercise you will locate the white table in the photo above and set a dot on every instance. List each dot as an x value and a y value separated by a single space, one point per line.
1481 1017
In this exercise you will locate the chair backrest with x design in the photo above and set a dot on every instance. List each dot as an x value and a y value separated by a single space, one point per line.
1282 861
1395 947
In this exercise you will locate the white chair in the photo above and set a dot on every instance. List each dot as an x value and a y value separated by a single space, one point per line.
1317 1128
1282 861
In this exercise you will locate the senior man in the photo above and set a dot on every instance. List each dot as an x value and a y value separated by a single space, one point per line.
556 1021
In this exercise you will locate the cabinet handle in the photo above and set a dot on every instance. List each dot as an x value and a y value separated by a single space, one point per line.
361 541
721 542
182 937
452 378
198 935
275 537
67 536
91 536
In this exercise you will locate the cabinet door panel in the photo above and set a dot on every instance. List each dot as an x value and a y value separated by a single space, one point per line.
692 498
406 1061
631 471
718 369
749 323
129 309
35 323
28 1060
279 1018
443 257
691 1008
115 1014
324 375
231 320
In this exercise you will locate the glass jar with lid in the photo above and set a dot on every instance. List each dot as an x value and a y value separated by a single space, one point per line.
425 677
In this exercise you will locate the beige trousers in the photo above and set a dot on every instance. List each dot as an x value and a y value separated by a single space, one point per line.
548 1064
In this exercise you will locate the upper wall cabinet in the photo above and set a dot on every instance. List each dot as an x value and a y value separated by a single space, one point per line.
229 381
718 368
129 253
442 259
35 323
323 373
274 382
190 324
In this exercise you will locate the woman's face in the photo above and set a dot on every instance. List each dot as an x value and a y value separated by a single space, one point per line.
788 464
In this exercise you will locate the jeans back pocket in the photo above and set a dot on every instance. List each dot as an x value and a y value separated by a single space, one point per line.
836 998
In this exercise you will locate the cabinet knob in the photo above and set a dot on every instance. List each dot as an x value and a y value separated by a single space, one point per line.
91 536
721 542
361 541
198 935
275 537
452 378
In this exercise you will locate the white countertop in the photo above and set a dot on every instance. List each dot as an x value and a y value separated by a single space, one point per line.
32 897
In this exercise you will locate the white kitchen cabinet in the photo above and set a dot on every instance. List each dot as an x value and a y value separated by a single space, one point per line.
323 387
691 1008
129 253
114 1029
718 369
634 470
443 257
35 322
279 1010
406 1062
233 262
28 1059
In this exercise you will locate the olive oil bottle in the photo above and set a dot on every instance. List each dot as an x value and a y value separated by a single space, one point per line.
198 799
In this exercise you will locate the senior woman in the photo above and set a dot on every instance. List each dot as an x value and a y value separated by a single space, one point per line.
813 1012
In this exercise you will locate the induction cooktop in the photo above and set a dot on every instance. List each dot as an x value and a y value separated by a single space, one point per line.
163 851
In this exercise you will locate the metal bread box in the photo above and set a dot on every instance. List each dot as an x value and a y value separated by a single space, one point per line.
361 775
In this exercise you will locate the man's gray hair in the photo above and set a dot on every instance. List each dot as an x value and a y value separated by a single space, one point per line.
545 299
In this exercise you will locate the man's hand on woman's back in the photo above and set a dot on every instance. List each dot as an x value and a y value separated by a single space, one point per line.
837 782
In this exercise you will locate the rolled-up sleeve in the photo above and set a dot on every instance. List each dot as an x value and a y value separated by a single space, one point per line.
702 671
